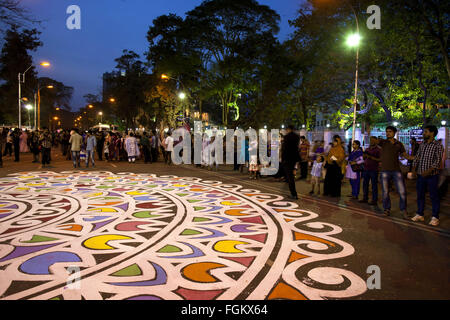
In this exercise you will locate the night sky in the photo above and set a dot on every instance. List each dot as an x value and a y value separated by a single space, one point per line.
80 57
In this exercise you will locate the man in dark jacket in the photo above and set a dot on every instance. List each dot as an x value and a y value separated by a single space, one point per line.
100 143
16 143
289 158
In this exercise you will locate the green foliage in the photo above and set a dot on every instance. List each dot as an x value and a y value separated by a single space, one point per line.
15 59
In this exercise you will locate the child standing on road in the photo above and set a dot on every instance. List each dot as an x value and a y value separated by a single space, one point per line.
316 173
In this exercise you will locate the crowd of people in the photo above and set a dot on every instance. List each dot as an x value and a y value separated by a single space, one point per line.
81 147
379 163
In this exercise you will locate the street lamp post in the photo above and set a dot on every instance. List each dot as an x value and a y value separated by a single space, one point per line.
353 41
181 95
21 78
39 105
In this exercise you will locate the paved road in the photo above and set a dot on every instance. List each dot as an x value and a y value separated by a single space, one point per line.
263 246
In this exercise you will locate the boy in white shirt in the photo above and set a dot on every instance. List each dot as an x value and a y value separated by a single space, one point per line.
169 147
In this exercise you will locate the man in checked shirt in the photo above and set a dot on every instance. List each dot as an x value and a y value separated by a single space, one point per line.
426 165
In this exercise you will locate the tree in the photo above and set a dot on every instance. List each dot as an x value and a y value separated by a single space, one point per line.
58 97
228 34
402 69
127 87
15 59
13 15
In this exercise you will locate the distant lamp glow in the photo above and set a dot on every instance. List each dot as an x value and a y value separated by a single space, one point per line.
443 123
328 125
395 123
282 126
50 87
164 77
91 106
112 100
28 107
358 125
55 118
182 95
45 64
354 40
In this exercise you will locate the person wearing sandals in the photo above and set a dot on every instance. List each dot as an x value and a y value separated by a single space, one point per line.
426 166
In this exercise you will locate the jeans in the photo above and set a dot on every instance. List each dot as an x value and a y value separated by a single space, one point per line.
429 183
356 183
76 158
399 185
90 154
370 176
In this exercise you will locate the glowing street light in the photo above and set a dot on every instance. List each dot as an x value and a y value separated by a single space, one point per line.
443 123
354 40
45 64
182 95
112 100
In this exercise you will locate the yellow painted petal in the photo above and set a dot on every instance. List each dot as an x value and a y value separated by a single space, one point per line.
228 246
137 193
229 203
90 195
103 210
100 242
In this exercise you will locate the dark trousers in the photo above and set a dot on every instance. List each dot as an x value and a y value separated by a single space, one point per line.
46 156
370 177
429 184
8 149
154 154
16 152
168 157
289 173
100 151
147 156
303 170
